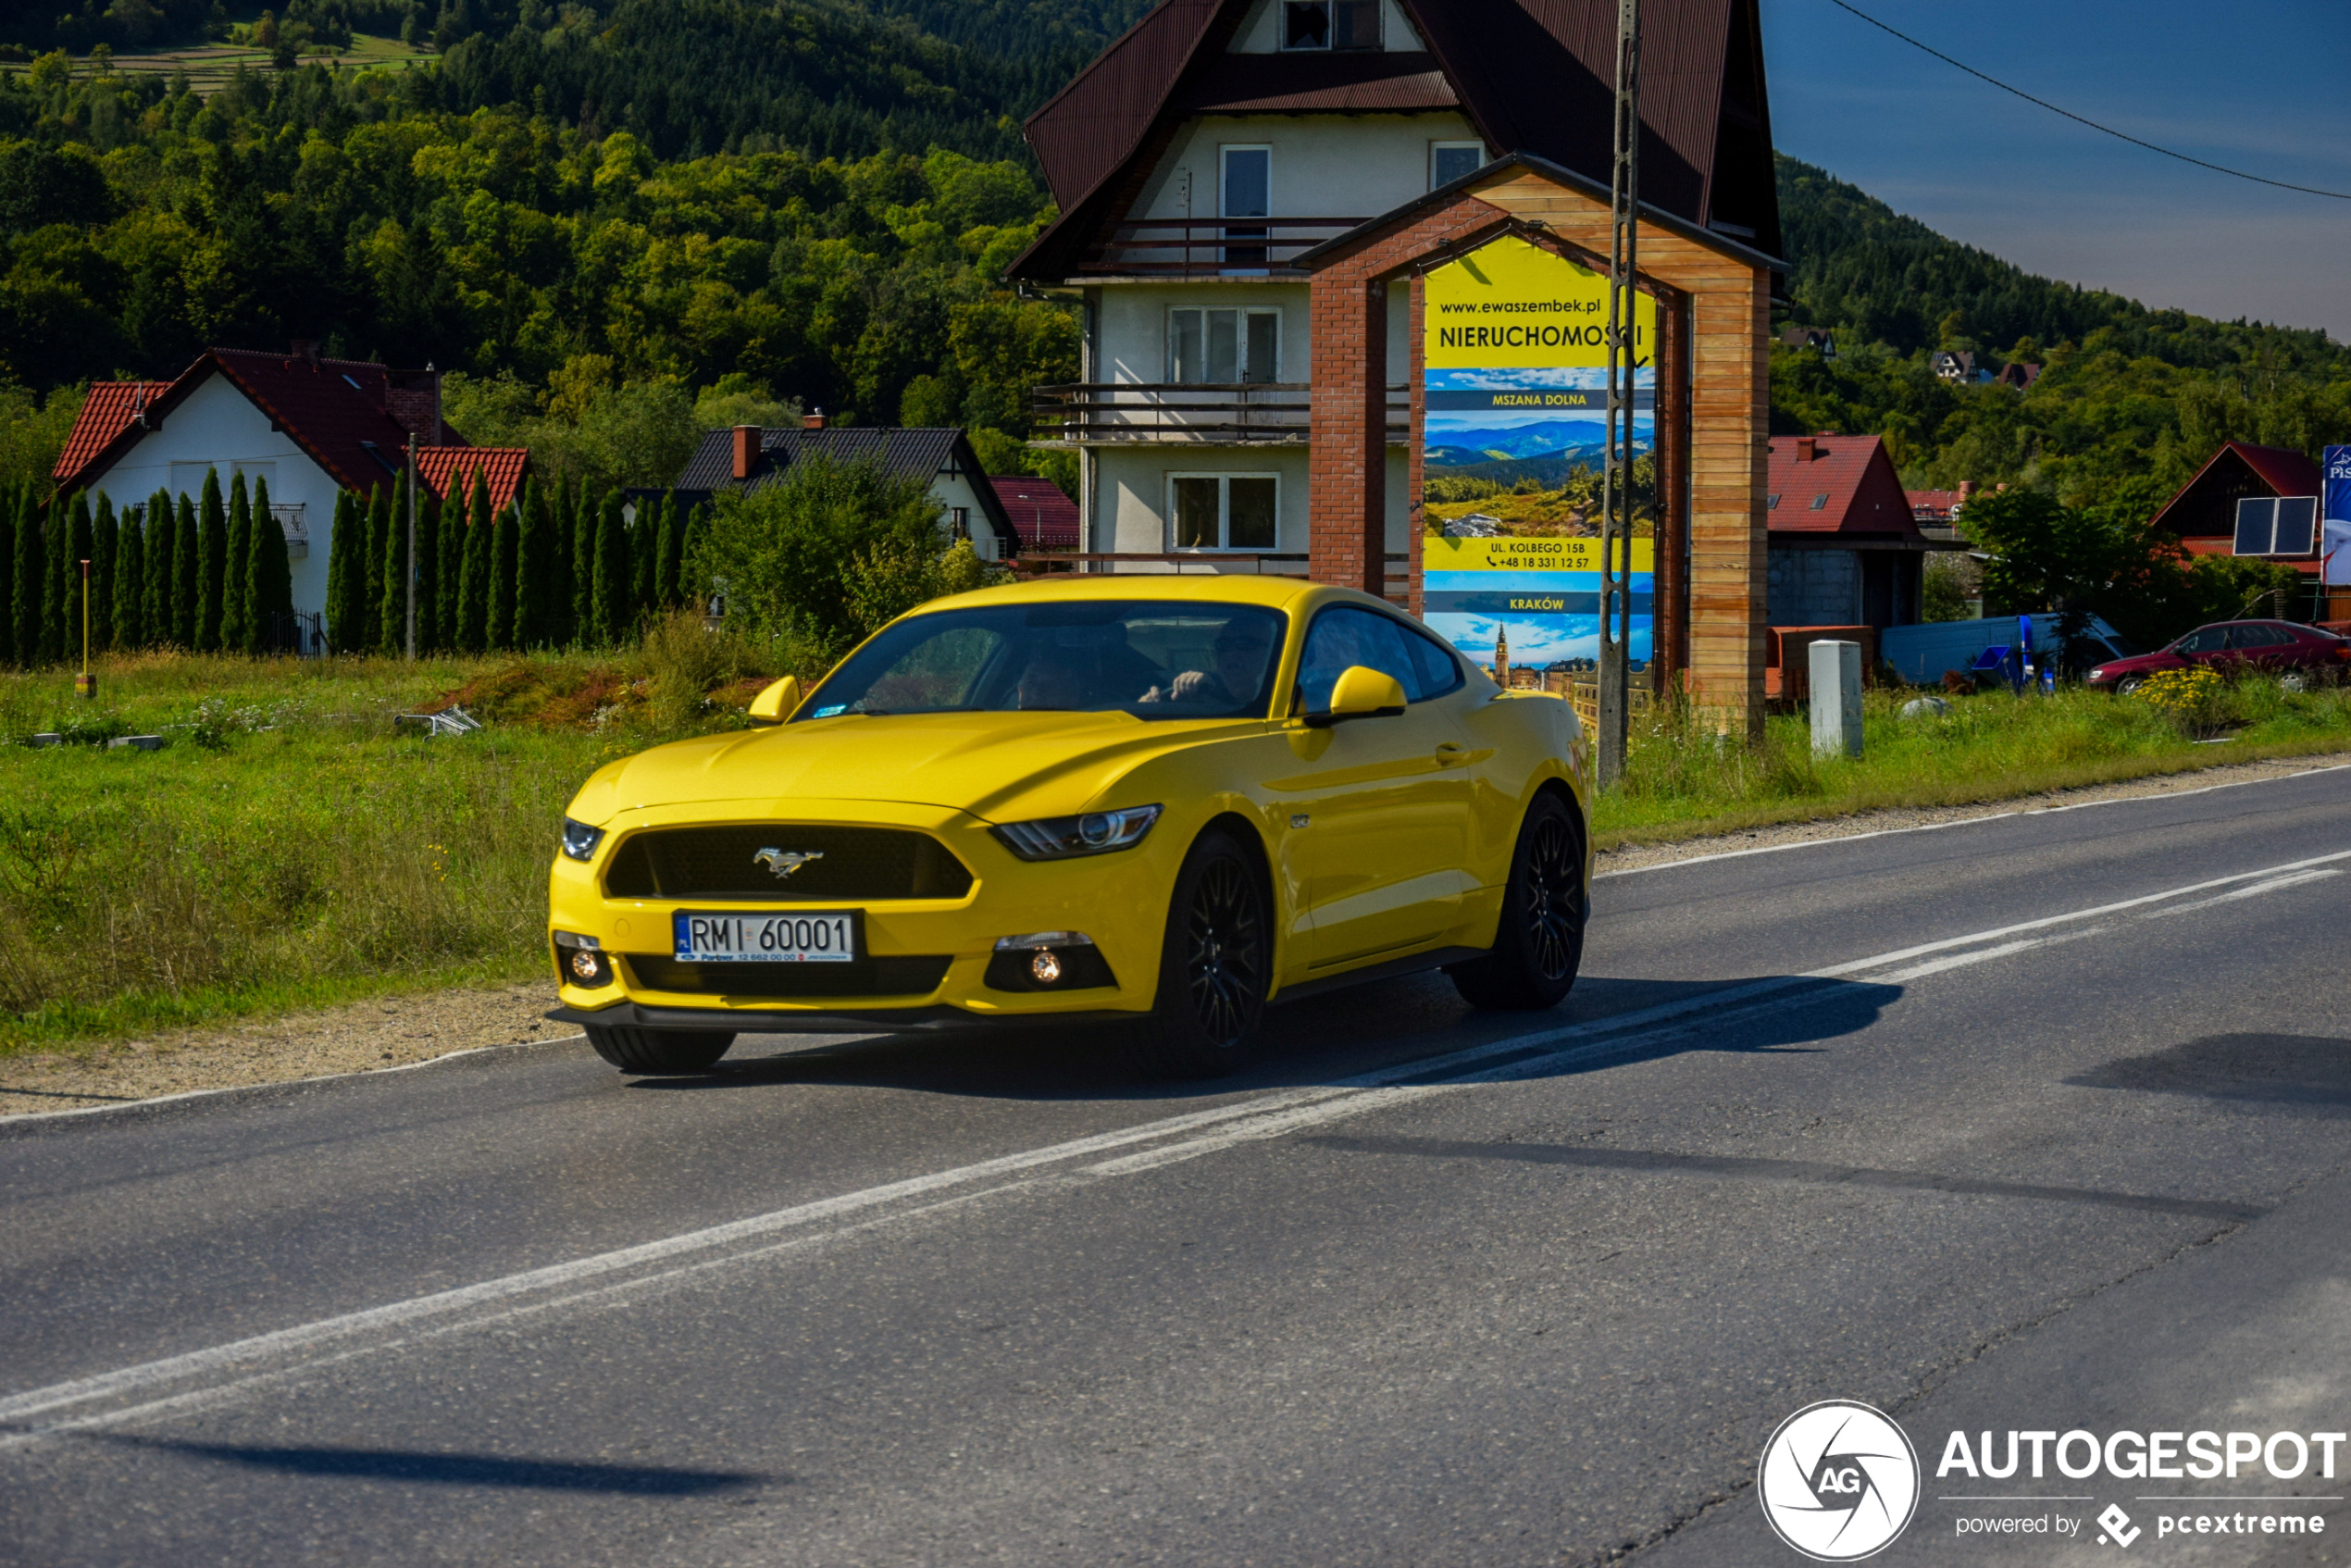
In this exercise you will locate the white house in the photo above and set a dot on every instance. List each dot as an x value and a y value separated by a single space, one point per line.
312 427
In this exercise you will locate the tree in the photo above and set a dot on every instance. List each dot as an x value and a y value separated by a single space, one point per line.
269 612
162 531
505 549
126 609
371 595
474 585
187 570
26 592
784 553
105 540
583 567
392 577
614 616
235 563
690 539
344 546
644 554
449 531
212 565
9 492
668 537
554 573
70 546
429 585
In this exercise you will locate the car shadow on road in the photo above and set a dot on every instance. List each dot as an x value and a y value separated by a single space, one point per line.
1319 1042
449 1469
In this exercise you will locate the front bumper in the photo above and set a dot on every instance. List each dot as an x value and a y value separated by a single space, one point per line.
1118 899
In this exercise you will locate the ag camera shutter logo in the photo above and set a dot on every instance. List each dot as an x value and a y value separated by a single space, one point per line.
1838 1481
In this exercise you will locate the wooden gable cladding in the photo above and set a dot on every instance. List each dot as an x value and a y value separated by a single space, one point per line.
1712 442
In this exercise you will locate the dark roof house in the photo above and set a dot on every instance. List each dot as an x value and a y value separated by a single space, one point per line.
1045 519
2204 514
749 458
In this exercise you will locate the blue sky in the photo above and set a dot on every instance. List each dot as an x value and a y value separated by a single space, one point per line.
2260 86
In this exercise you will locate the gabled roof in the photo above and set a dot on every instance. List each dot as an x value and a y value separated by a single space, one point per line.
1847 485
911 452
502 469
2206 505
1533 76
1044 516
106 412
336 410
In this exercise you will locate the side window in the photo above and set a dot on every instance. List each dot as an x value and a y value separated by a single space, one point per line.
1331 24
1224 511
1343 637
2205 641
1447 161
1221 347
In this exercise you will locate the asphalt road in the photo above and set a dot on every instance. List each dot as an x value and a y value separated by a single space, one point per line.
2034 1123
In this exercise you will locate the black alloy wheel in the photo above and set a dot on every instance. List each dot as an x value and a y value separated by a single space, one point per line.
2129 684
1214 968
1538 943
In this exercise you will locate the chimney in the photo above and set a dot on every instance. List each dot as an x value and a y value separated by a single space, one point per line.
413 399
306 348
813 420
1807 448
1967 488
746 450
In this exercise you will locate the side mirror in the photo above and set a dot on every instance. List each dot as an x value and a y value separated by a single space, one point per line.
1360 692
776 704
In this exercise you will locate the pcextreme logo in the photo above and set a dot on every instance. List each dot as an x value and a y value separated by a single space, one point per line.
1838 1481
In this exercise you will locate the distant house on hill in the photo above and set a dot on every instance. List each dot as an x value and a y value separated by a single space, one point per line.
1958 364
1044 516
2018 374
1819 339
312 427
749 458
1845 547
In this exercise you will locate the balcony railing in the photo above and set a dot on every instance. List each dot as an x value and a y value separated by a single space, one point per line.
1187 247
1254 414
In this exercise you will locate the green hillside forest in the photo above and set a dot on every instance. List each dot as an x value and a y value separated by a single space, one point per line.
619 223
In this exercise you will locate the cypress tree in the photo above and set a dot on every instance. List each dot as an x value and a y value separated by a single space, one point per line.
9 573
530 556
583 566
24 587
68 547
450 530
392 577
644 557
370 577
691 586
129 608
341 554
428 570
187 572
104 540
161 533
212 565
556 591
505 548
614 582
474 579
268 580
233 565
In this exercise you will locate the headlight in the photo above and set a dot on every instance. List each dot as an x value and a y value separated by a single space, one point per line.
580 840
1097 833
2098 674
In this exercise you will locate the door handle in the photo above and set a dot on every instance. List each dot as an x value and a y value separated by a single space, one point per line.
1451 751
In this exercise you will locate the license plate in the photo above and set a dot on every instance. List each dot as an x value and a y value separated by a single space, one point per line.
811 936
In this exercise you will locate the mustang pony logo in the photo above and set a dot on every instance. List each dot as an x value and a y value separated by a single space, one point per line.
783 862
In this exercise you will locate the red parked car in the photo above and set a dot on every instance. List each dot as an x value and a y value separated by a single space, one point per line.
2279 647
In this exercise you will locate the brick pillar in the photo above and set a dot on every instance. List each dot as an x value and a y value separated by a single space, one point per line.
1372 424
1347 499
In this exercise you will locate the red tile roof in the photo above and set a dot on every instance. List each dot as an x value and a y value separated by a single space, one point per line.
106 414
2206 506
1835 484
502 468
1932 506
1041 515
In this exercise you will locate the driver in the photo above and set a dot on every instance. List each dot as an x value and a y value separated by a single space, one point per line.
1239 660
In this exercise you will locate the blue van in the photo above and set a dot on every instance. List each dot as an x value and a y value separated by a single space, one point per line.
1921 653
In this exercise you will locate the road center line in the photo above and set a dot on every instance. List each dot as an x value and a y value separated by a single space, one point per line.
1265 1115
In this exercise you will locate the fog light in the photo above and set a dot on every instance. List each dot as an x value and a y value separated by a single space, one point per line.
588 966
1045 965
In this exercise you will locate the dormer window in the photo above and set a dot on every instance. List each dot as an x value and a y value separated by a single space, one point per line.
1331 24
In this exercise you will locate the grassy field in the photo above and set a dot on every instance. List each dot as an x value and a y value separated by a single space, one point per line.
290 846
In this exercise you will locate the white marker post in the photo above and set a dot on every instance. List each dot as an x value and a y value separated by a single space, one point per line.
1836 699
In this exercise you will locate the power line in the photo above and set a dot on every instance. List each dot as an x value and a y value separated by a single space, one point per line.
2120 136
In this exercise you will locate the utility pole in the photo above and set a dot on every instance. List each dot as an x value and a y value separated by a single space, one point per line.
412 547
1623 357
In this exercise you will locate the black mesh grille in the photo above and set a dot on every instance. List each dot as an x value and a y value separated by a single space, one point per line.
916 976
721 862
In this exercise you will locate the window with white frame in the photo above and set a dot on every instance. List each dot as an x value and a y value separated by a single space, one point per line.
1223 347
1223 511
1331 24
1447 161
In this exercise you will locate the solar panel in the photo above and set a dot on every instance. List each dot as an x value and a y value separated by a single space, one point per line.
2257 524
2297 524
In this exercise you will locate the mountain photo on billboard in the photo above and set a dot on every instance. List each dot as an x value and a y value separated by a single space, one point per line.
1453 444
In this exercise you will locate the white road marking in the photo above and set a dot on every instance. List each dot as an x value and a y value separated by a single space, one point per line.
2255 889
1963 822
1960 961
1266 1115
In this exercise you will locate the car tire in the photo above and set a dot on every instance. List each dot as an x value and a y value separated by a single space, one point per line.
2129 684
1215 965
1539 945
659 1050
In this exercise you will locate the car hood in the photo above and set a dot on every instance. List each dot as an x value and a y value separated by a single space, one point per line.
1046 763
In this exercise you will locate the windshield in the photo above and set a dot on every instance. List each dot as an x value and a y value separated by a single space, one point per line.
1154 659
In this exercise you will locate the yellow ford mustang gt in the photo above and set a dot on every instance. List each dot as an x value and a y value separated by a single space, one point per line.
1168 800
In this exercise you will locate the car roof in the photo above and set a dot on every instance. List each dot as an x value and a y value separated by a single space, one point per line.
1220 587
